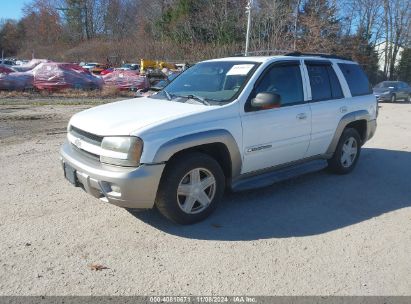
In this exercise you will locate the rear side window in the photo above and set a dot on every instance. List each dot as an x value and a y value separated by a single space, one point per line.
356 79
319 81
324 82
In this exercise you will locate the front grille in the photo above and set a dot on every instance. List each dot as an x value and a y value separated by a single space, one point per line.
86 153
86 136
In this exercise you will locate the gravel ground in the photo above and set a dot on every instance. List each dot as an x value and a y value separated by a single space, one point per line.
319 234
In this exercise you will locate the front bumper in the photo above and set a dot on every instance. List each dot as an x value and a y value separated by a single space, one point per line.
383 97
127 187
371 128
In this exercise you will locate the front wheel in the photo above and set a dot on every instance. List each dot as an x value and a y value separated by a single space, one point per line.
393 98
347 152
190 188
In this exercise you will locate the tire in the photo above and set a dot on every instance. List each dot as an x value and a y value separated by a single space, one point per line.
408 99
344 158
393 98
176 198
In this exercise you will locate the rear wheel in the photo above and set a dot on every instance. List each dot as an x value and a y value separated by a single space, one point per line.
408 99
190 189
347 152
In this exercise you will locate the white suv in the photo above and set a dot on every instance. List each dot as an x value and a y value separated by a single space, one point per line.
237 123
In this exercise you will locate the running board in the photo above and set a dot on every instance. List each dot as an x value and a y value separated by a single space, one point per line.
272 177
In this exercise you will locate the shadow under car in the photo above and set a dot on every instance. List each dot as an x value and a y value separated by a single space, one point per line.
308 205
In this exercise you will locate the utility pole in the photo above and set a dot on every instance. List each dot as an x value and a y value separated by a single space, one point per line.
297 8
247 39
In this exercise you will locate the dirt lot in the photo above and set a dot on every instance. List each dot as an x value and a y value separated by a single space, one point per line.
319 234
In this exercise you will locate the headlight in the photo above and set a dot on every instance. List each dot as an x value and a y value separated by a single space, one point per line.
122 151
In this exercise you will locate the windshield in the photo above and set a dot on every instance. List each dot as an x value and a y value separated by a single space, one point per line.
386 84
214 82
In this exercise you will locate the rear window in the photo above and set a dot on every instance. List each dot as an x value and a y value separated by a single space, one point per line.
356 79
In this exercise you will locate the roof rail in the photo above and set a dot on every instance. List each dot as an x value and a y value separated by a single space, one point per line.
270 52
331 56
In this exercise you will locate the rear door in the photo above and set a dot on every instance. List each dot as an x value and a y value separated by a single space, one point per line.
327 104
280 135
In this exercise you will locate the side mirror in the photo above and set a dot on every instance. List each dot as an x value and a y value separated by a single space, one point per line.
266 100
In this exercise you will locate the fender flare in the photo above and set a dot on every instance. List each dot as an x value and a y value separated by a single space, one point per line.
168 149
345 120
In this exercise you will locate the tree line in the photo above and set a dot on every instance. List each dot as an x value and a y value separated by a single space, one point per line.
376 33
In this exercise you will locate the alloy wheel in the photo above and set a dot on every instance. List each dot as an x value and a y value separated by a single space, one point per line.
349 152
196 191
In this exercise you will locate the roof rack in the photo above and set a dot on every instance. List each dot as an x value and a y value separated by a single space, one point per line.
271 52
330 56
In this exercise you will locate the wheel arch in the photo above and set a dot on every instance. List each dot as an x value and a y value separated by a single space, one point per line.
358 120
361 127
219 144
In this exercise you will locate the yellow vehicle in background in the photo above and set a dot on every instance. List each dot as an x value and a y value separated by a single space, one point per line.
147 65
98 68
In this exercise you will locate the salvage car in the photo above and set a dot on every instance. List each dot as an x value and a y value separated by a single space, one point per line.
107 71
16 81
89 66
5 69
7 63
98 68
239 123
54 76
130 66
126 80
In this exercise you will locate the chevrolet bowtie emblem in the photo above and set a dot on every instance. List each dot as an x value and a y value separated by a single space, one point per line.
77 143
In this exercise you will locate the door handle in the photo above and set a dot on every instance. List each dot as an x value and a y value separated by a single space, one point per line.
343 109
302 116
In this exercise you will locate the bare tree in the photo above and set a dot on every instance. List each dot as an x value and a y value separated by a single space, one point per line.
397 25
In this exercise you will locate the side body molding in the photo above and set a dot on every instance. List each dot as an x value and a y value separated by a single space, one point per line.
168 149
345 120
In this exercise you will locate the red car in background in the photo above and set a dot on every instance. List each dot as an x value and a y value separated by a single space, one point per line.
16 81
5 70
126 80
57 76
107 71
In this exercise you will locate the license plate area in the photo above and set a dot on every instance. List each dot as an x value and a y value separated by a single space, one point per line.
70 175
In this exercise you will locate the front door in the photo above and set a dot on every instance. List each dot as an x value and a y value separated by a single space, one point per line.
280 135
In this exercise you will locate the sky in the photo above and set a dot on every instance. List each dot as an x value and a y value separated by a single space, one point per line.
11 9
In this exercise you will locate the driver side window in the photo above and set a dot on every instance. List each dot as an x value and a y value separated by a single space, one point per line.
284 80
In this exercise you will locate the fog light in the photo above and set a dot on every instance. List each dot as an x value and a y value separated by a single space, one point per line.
110 189
115 188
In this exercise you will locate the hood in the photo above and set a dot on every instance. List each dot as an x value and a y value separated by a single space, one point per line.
126 117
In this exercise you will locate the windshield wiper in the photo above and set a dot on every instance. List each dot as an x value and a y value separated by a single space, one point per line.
167 94
199 98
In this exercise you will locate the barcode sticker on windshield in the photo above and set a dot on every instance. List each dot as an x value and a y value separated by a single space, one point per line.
240 69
